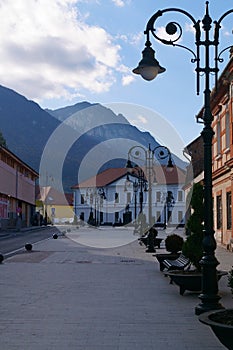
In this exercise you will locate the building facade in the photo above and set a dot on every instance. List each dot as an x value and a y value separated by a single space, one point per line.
17 190
55 207
223 156
117 197
222 153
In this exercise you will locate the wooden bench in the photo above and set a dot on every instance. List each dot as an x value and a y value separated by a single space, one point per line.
164 256
180 226
143 239
159 225
177 264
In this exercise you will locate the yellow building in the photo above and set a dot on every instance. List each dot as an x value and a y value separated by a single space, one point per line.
56 207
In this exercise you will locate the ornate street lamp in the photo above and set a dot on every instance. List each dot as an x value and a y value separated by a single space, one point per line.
96 195
209 296
148 156
135 190
169 203
139 184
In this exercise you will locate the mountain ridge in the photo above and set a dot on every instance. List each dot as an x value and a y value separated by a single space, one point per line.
101 135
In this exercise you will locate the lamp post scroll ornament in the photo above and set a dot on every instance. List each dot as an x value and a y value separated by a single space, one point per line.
139 184
149 68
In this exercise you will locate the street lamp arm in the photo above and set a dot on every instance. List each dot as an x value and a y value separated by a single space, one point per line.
216 35
136 153
158 152
223 16
174 28
221 52
152 20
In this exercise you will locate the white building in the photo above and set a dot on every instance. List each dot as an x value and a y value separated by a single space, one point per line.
116 196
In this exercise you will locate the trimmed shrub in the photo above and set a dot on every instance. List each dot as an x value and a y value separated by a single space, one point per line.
192 247
174 243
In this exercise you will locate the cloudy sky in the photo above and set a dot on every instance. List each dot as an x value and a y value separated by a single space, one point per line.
60 52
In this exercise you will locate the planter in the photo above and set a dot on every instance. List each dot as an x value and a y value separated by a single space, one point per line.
161 257
189 280
217 320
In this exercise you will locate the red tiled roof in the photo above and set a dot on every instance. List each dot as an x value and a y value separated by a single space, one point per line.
52 196
103 179
162 174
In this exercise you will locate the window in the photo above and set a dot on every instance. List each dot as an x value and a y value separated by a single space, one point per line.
158 196
228 205
82 199
169 216
227 129
101 217
218 137
170 199
128 197
219 211
180 196
116 197
158 216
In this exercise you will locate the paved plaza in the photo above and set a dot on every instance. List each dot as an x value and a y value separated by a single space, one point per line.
97 289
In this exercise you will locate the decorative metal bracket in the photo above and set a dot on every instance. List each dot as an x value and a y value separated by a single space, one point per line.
173 28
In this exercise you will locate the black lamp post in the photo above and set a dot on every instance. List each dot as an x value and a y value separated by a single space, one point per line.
169 202
135 190
97 195
100 198
148 156
139 184
148 68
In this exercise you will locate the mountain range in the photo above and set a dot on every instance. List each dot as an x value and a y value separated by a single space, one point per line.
78 141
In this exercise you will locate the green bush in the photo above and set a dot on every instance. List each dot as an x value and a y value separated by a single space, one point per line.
174 243
192 247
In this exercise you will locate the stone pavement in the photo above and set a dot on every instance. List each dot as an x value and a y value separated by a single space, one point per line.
67 296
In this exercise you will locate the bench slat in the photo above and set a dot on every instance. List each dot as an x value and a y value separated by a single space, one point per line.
179 263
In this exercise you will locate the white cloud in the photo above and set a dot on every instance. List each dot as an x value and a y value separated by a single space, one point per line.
127 76
142 119
189 28
227 33
161 33
132 39
123 69
119 3
127 79
48 51
136 39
